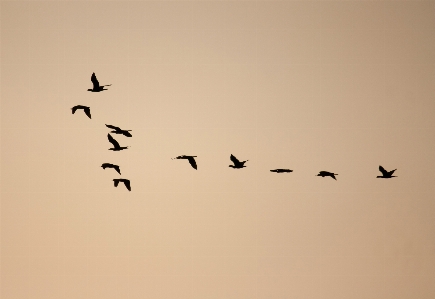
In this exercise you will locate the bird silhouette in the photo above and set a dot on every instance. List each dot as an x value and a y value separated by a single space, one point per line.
108 165
279 170
237 163
191 160
327 173
117 130
97 87
86 109
125 181
116 146
386 174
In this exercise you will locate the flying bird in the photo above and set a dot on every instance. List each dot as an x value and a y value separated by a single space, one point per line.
386 174
191 160
116 146
97 87
237 163
327 173
125 181
117 130
108 165
279 170
86 109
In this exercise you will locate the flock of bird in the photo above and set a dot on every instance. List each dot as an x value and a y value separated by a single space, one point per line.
237 164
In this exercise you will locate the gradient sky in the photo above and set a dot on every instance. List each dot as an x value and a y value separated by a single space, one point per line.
341 86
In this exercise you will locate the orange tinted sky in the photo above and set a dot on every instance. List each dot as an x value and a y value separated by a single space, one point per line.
337 86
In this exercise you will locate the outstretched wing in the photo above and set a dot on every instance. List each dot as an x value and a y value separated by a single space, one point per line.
234 159
384 172
95 81
192 162
88 112
333 176
116 167
127 184
113 127
126 133
113 141
391 172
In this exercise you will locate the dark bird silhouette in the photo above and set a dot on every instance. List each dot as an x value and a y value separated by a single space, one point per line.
125 181
237 163
108 165
386 174
85 108
97 87
279 170
117 130
191 160
327 173
116 146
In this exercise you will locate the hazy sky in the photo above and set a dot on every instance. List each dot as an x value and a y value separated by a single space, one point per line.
341 86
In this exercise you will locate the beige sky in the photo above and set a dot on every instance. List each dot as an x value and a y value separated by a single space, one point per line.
336 86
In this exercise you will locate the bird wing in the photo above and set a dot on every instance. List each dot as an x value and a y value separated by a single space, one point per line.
117 169
88 112
333 176
113 127
95 81
113 141
391 172
384 172
192 162
126 133
74 109
127 184
234 159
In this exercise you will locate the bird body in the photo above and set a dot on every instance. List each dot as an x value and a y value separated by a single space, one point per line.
86 109
279 170
327 173
118 130
109 165
116 146
237 163
386 174
191 160
125 181
97 87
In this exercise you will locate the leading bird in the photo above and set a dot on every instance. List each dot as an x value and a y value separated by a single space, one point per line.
386 174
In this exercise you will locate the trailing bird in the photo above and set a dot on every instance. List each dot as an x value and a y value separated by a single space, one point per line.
237 163
85 108
116 146
97 87
191 160
327 173
279 170
386 174
117 130
108 165
125 181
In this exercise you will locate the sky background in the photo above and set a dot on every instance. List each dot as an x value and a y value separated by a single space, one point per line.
341 86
